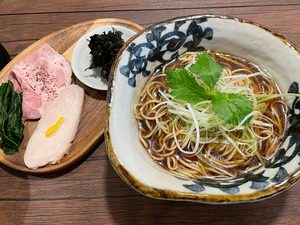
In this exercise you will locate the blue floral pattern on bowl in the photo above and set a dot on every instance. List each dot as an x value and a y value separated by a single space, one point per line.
158 44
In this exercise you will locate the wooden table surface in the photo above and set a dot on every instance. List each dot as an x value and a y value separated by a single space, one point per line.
90 191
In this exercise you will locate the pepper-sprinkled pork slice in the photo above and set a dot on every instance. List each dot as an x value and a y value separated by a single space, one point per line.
39 78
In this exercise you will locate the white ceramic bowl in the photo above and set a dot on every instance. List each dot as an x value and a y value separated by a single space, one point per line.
159 44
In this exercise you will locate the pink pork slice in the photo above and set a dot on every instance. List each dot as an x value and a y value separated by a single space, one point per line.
39 78
42 150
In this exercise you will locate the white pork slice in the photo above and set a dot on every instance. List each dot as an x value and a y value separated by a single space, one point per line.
42 150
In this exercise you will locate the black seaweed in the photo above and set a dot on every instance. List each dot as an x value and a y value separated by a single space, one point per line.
104 48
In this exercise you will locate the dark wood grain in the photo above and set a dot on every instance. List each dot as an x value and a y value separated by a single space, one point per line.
90 191
29 6
16 35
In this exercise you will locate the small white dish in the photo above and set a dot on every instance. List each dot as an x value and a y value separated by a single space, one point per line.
81 58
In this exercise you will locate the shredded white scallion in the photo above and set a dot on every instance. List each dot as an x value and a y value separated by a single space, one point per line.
200 118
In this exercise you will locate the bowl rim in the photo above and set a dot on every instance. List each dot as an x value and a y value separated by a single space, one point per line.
168 194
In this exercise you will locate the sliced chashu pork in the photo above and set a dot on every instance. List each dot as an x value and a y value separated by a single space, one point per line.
39 78
42 150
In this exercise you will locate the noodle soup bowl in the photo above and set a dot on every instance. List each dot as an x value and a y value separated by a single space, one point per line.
161 43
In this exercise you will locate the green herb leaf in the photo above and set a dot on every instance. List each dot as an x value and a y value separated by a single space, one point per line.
185 87
208 69
232 108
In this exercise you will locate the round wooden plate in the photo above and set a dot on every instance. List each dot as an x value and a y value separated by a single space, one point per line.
91 126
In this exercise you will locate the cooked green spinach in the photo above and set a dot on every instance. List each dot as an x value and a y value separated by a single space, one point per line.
11 124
